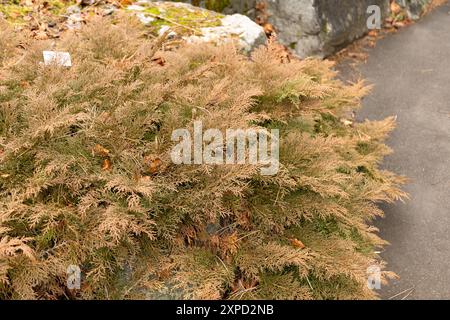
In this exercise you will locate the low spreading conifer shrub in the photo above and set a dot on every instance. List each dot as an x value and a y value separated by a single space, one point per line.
86 177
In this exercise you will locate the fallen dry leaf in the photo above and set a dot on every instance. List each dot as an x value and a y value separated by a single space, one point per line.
297 243
399 24
373 33
106 165
268 28
152 164
98 150
358 55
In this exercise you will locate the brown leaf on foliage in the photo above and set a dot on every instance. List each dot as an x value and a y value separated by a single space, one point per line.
24 84
225 245
229 244
98 150
106 165
152 164
297 243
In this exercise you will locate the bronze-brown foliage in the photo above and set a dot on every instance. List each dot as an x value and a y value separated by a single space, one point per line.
86 177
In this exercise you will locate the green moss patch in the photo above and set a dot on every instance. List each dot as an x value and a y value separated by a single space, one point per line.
16 12
176 15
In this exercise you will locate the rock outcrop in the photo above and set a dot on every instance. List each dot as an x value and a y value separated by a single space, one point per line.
312 27
316 27
196 24
308 27
319 28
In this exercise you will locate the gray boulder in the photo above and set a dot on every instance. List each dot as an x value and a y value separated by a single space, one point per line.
320 27
343 21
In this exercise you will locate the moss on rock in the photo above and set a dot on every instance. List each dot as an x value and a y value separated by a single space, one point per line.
175 14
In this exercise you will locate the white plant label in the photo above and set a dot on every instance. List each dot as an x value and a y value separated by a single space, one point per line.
73 277
56 57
